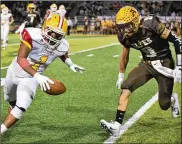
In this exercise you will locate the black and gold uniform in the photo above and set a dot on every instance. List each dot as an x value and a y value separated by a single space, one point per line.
150 37
32 18
148 40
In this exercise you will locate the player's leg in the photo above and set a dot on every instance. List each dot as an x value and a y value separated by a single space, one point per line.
166 96
10 88
25 94
6 35
136 78
2 36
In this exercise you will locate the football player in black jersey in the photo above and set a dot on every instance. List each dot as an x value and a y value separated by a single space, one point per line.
31 18
151 38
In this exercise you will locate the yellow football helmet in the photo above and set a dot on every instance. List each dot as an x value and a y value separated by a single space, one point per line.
54 29
5 10
3 6
127 21
53 7
31 7
61 7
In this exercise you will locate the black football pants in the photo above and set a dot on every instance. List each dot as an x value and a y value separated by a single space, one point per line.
144 72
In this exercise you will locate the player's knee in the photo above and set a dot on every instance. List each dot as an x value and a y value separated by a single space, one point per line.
17 112
165 104
165 100
124 95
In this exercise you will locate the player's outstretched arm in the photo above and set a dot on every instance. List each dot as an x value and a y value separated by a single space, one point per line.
178 49
72 66
171 37
124 58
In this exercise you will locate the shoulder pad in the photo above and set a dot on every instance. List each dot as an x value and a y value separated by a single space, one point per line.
35 33
64 46
153 23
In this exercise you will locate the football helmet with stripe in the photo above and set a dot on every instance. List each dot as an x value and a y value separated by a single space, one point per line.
54 29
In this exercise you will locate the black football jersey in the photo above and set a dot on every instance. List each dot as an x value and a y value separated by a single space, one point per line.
32 19
148 40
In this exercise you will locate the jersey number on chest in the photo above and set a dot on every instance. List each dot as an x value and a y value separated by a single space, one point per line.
43 60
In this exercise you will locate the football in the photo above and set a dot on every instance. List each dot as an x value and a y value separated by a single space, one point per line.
57 88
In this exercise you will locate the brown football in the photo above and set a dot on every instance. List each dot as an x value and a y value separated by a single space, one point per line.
57 88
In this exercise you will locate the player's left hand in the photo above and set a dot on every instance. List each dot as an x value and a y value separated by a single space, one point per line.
177 74
77 68
120 80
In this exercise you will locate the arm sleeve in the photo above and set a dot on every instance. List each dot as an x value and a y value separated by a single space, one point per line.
26 38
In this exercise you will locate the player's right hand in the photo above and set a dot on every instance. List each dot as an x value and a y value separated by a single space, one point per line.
120 80
43 81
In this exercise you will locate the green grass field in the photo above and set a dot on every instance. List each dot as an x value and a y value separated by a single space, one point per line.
74 116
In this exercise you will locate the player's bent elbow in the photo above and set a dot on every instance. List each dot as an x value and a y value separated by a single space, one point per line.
23 62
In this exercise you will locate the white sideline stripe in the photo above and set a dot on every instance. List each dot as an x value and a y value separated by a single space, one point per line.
114 56
4 67
96 48
133 119
90 49
13 44
90 55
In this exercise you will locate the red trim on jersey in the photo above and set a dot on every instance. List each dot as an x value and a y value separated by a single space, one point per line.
26 37
62 22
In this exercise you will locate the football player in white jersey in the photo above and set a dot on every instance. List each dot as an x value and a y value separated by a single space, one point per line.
38 49
62 10
52 10
6 21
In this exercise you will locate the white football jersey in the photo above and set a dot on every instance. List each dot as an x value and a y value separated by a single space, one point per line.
5 18
40 56
62 12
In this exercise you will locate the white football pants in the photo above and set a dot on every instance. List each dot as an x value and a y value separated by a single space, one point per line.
4 33
22 90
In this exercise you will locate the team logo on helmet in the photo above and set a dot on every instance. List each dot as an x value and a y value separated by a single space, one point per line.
127 21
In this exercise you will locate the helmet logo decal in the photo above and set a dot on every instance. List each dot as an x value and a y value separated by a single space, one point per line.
133 12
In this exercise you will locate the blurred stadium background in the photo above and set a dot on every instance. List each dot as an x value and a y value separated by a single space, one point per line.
97 17
91 96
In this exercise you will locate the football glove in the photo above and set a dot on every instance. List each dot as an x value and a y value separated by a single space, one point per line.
177 74
73 66
77 68
43 81
120 80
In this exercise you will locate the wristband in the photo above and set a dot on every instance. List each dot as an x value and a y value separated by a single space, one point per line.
69 62
179 59
121 74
